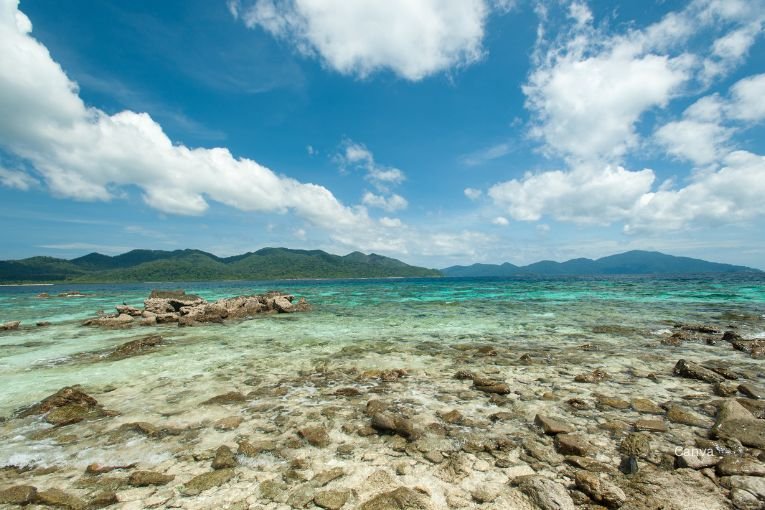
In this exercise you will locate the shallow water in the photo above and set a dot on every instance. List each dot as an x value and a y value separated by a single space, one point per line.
422 325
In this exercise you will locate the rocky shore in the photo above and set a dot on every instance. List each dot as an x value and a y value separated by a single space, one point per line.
460 425
168 307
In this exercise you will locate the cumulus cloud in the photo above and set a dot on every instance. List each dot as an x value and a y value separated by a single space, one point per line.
390 203
473 193
746 101
500 221
360 37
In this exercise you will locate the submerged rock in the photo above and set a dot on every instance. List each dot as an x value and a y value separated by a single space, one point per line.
545 493
59 498
10 326
68 396
331 499
224 458
402 498
596 376
18 495
600 489
491 386
393 424
552 426
232 397
691 370
315 436
147 478
206 481
135 347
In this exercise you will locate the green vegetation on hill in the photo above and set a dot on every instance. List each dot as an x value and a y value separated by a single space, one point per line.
195 265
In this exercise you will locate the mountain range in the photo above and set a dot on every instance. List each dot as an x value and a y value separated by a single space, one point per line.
631 262
196 265
284 263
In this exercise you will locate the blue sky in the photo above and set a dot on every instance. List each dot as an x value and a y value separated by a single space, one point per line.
438 132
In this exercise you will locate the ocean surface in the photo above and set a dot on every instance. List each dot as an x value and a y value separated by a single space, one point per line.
428 327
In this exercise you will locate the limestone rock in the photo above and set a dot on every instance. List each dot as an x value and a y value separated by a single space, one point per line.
315 436
551 426
402 498
393 424
148 478
691 370
572 444
224 458
59 498
545 493
206 481
331 499
18 495
600 489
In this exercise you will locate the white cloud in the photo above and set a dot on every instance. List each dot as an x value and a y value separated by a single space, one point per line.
300 233
473 193
487 154
747 99
360 37
86 154
390 222
584 195
500 221
356 155
391 203
16 179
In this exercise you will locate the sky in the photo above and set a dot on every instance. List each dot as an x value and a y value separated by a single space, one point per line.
438 132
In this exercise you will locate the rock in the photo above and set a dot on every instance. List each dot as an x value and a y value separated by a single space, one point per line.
756 348
135 347
315 436
681 489
347 392
115 322
650 426
283 305
42 324
434 456
545 493
103 499
72 413
677 414
551 426
57 497
99 469
323 478
578 404
750 432
148 478
596 376
691 370
249 449
572 444
206 481
485 494
613 402
451 417
756 407
402 498
747 492
725 389
70 395
491 386
18 495
740 466
731 336
232 397
128 310
332 499
224 458
643 405
228 423
636 444
10 326
752 391
599 489
629 465
731 410
393 424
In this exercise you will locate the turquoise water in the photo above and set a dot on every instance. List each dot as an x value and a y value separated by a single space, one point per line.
371 313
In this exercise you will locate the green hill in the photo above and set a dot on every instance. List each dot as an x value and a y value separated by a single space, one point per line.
196 265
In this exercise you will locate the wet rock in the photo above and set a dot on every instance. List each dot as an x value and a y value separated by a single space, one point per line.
752 391
148 478
434 456
599 489
491 386
232 397
629 465
402 498
42 324
148 430
545 493
691 370
755 348
681 489
650 426
128 310
746 466
725 389
57 497
485 494
315 436
578 404
451 417
347 392
613 402
249 449
10 326
747 492
206 481
224 458
722 369
551 426
228 423
18 495
323 478
677 414
736 422
114 322
394 424
756 407
70 395
331 499
464 375
636 444
596 376
643 405
72 413
100 469
572 444
135 347
103 499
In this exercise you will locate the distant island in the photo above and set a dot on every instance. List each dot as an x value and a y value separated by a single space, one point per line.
631 262
196 265
285 263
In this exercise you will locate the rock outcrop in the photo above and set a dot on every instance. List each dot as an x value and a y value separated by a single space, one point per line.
175 306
